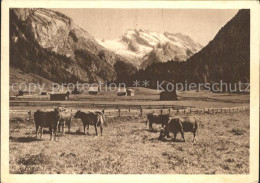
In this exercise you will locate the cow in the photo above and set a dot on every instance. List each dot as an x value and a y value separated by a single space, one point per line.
44 119
181 124
64 118
91 118
157 119
102 113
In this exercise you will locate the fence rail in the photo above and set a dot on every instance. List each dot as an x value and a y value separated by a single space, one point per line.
171 112
140 111
98 106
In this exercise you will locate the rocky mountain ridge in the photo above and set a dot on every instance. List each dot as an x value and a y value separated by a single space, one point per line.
48 43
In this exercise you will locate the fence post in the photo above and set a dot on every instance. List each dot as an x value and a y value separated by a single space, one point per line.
161 111
169 112
129 109
141 112
119 113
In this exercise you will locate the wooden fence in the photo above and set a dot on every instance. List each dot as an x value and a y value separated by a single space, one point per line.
97 106
142 112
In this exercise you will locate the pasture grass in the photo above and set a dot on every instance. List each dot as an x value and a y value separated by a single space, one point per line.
128 147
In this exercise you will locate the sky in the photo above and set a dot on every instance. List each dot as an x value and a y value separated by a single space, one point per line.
200 24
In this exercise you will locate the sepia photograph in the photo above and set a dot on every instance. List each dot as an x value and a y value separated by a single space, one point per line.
154 91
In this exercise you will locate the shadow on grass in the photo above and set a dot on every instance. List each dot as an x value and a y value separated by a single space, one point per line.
24 139
169 140
160 140
152 131
178 140
45 132
80 133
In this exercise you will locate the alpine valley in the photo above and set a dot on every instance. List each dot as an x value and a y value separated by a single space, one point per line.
50 45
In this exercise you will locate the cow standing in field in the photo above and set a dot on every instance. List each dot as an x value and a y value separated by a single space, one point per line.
102 113
91 118
157 119
64 118
181 124
44 119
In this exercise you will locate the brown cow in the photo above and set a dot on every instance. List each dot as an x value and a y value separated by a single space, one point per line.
44 119
91 118
181 124
157 119
64 118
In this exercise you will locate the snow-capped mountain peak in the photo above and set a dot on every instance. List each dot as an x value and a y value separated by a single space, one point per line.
145 47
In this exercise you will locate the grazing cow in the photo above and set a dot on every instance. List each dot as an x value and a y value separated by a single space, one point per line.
44 119
157 119
91 118
181 124
64 118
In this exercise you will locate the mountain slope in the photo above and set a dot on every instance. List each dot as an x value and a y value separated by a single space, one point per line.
227 56
147 47
49 44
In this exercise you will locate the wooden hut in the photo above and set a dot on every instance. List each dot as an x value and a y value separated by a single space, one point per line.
59 96
75 91
121 92
93 90
23 92
168 96
130 92
43 93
